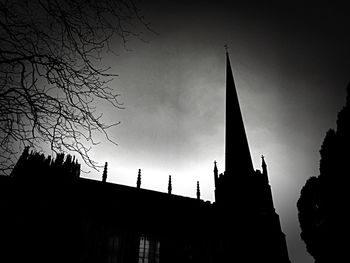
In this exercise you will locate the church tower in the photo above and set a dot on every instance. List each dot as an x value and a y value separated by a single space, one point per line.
238 162
246 218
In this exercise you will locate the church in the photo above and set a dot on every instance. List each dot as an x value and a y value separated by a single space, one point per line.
54 215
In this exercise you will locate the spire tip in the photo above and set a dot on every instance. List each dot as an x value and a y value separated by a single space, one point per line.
263 160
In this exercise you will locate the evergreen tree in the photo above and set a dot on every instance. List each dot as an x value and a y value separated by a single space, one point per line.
322 205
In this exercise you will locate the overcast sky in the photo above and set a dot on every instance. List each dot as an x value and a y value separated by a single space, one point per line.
291 66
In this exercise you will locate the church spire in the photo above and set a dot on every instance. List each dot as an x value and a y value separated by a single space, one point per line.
264 168
198 191
170 188
104 175
237 154
216 174
263 163
138 182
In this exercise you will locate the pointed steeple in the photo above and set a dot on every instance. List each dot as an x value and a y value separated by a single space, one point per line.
263 164
138 183
237 154
198 191
170 188
104 175
264 167
216 174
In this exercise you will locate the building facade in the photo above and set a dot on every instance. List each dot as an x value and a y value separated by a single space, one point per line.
54 215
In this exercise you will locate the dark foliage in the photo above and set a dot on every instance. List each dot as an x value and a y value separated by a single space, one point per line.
35 167
38 204
322 205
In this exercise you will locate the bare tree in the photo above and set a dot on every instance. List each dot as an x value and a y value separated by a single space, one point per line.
50 78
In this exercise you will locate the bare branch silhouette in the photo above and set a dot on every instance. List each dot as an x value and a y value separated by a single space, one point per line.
50 78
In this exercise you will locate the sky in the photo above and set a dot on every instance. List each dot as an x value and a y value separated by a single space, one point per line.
291 65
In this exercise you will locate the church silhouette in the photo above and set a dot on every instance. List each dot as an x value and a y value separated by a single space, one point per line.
51 214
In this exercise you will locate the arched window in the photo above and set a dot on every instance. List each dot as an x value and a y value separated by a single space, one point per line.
148 250
114 250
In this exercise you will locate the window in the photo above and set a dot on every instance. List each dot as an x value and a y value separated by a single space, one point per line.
148 250
114 250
